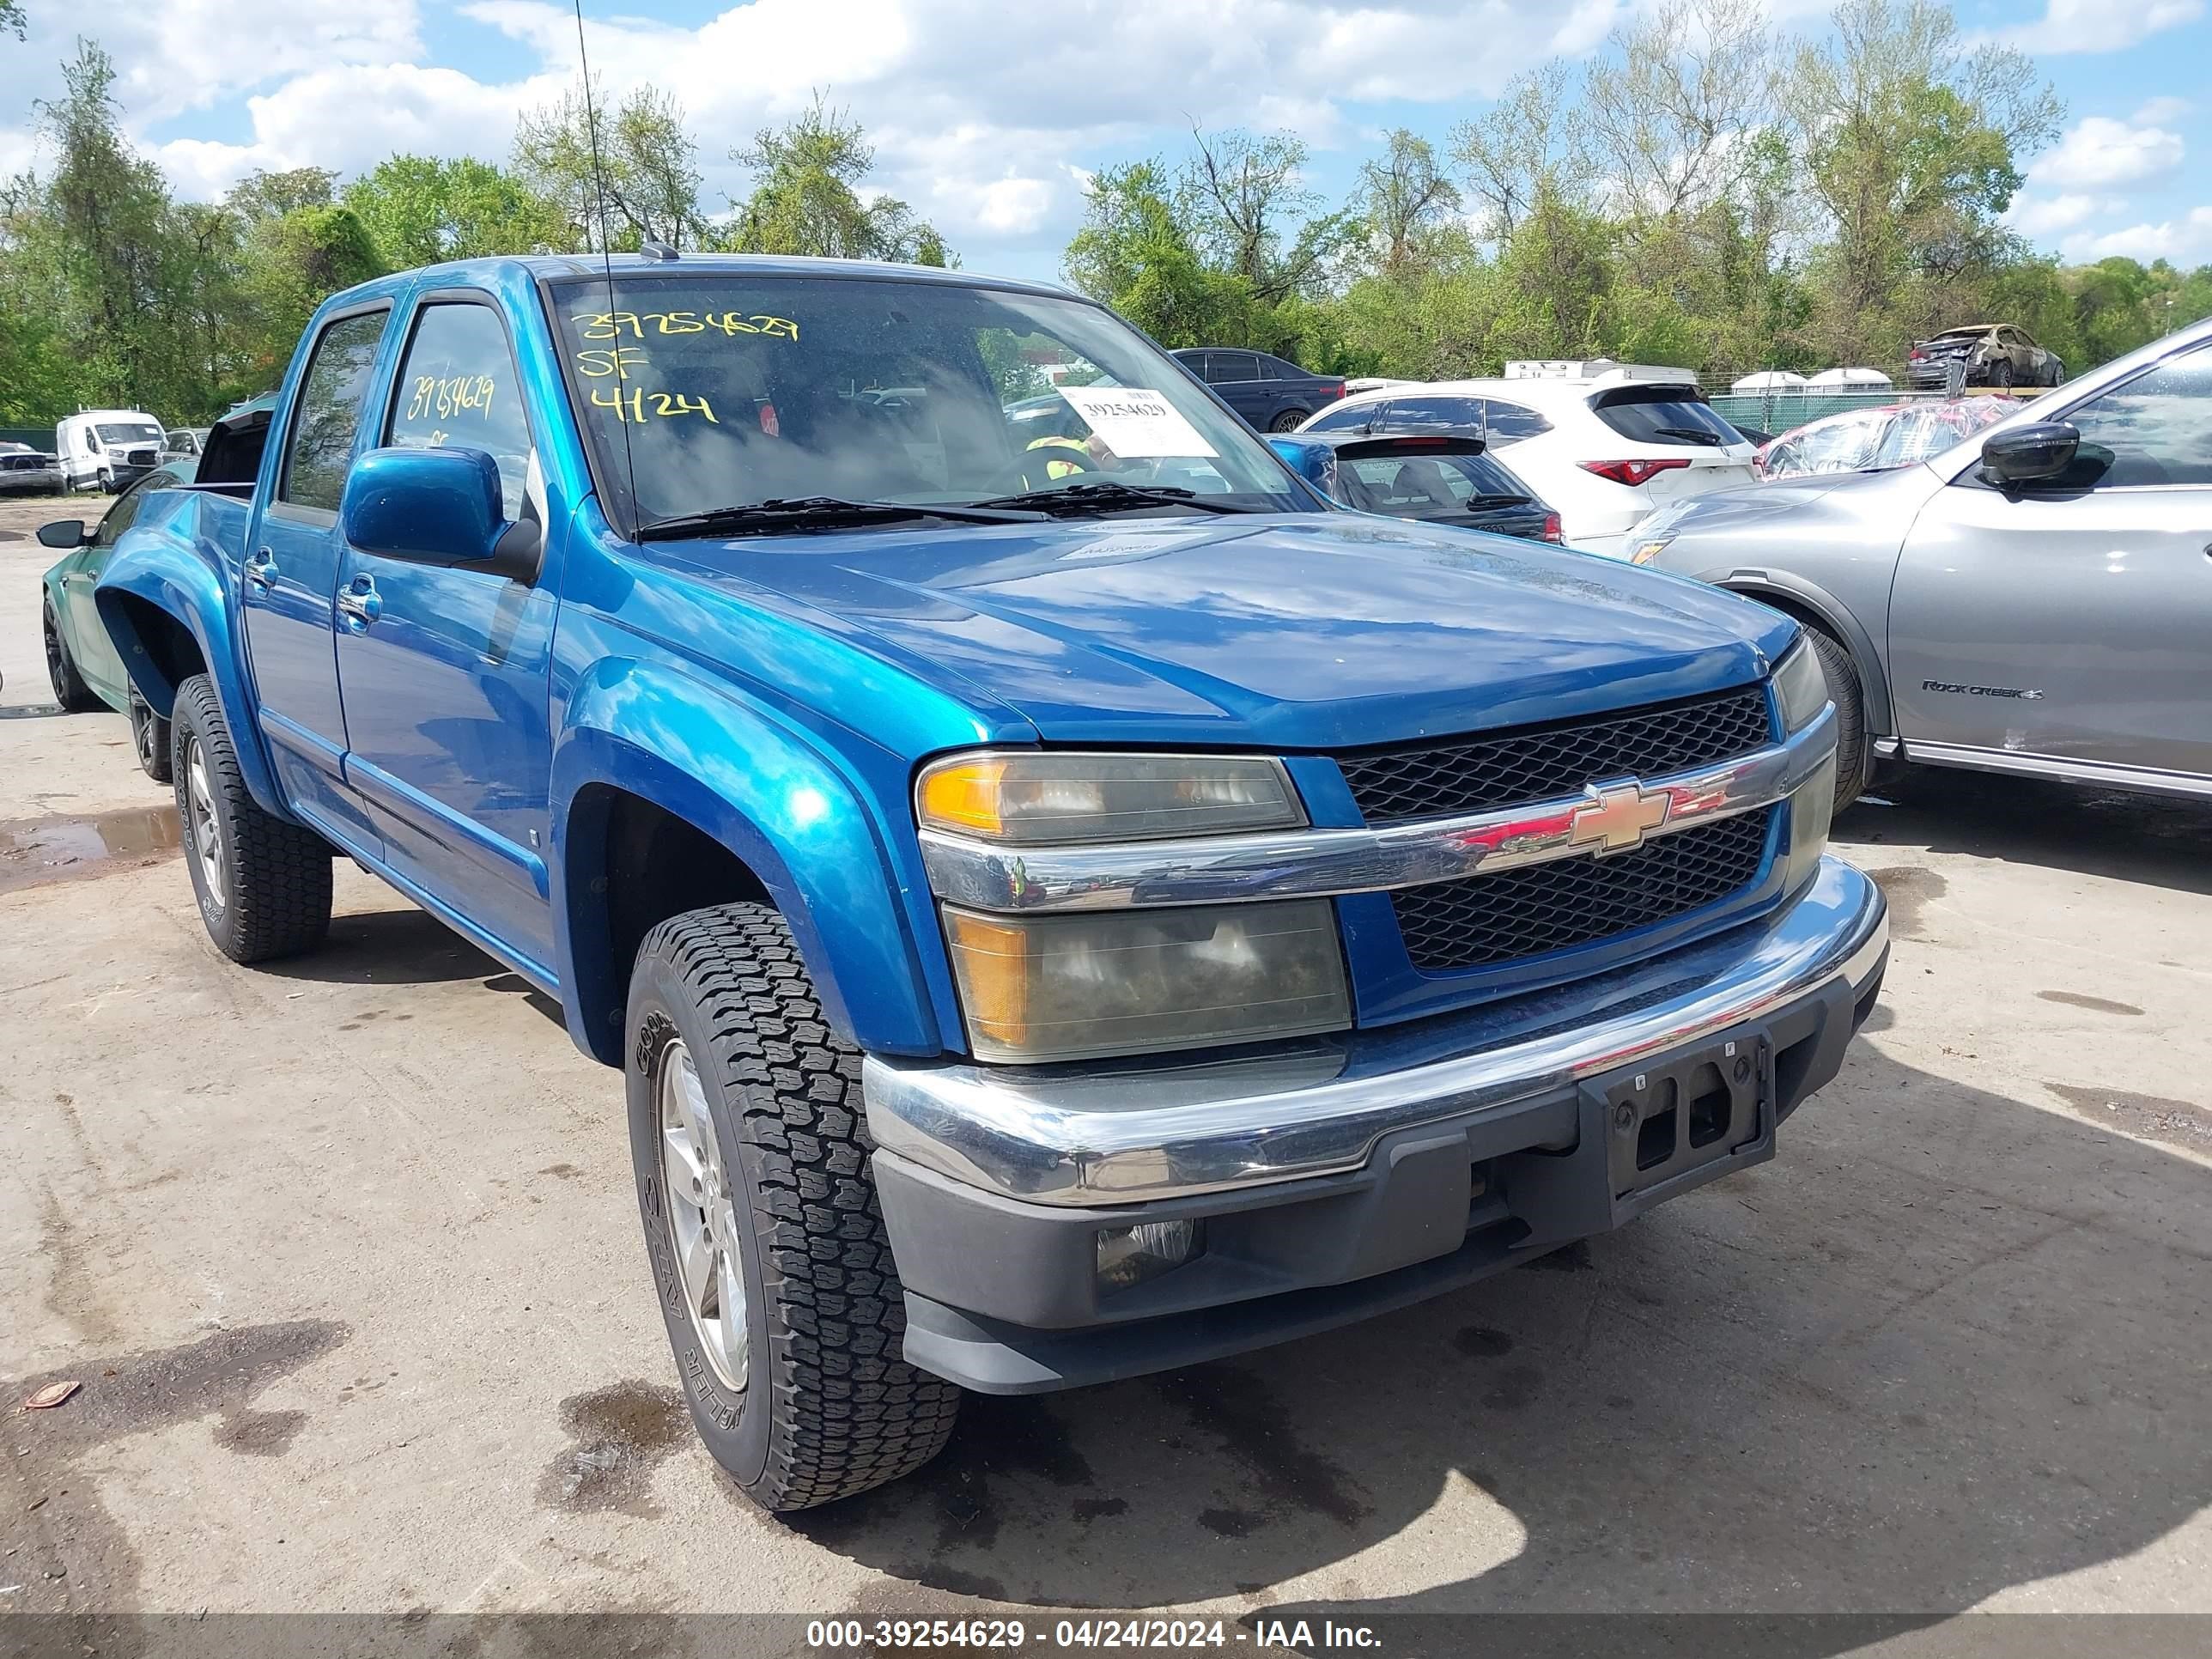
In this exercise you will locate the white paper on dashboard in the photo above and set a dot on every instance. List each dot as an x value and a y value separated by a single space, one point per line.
1135 421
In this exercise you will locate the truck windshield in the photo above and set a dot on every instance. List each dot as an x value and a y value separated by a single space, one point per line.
708 390
115 432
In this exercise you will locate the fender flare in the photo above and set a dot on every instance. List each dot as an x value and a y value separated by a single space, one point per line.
185 585
779 804
1814 604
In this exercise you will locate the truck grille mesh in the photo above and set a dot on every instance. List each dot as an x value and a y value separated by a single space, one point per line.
1482 920
1544 762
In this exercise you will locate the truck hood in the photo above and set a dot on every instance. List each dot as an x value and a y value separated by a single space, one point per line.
1305 631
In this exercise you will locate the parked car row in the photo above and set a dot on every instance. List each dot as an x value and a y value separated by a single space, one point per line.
2032 599
1601 443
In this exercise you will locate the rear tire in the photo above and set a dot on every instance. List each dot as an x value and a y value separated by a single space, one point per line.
264 886
1842 676
71 691
749 1147
1289 420
150 738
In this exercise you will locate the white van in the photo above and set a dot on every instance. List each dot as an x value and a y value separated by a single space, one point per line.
105 449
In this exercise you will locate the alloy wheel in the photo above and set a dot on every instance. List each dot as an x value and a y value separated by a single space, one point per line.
204 831
702 1216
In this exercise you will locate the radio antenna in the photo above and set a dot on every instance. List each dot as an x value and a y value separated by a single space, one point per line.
606 249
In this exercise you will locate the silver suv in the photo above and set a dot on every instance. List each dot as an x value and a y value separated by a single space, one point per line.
2037 599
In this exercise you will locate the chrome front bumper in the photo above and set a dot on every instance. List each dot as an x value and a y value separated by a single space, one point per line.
1119 1135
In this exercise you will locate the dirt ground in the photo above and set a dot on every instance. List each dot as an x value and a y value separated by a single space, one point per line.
345 1255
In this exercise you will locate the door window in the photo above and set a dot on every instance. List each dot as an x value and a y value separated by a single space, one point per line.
1345 417
1510 422
457 389
328 415
1224 368
1433 414
126 506
2157 428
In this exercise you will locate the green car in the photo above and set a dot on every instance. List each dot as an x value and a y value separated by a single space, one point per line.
81 659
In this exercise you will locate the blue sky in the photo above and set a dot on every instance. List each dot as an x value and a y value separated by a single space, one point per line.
987 117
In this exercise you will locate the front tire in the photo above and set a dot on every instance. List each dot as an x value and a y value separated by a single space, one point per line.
1842 676
264 886
71 691
774 1277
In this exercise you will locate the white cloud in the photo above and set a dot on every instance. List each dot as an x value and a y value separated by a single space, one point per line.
977 120
2161 110
2043 216
2185 241
2098 25
2098 151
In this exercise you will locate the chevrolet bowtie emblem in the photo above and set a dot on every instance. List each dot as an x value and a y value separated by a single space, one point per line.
1619 815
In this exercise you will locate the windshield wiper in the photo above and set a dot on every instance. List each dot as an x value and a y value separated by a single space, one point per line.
1106 497
817 513
1690 435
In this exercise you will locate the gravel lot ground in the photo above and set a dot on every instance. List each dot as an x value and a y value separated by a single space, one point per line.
345 1255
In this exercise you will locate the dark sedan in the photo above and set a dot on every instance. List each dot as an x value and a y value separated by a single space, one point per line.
1271 395
1991 354
1425 475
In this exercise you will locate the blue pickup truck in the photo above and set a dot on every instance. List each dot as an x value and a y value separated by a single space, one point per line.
1063 908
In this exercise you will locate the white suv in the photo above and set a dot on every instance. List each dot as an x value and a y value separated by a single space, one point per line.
1604 444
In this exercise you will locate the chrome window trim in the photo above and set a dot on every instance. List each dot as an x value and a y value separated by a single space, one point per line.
1324 862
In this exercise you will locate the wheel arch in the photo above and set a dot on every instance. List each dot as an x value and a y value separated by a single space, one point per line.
1815 608
748 811
166 613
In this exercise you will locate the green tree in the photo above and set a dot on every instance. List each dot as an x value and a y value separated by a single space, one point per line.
806 198
1134 253
1403 200
12 20
264 195
425 209
1251 217
94 231
617 178
1909 144
293 264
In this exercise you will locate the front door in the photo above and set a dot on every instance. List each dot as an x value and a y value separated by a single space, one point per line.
445 672
291 576
2073 622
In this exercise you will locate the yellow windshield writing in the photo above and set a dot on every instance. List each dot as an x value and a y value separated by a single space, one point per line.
637 405
614 324
448 395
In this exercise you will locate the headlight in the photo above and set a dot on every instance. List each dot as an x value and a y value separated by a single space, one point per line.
1071 988
1800 686
1649 539
1033 798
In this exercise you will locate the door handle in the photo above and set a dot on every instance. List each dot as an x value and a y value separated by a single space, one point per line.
358 604
261 568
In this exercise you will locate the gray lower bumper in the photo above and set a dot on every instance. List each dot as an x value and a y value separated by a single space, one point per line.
1343 1180
1100 1135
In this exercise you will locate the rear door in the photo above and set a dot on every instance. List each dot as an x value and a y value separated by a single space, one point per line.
1236 376
291 575
444 672
1674 423
2073 623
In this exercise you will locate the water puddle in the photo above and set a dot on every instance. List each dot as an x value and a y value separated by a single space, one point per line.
35 851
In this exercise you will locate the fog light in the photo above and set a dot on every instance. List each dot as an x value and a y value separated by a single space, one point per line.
1127 1256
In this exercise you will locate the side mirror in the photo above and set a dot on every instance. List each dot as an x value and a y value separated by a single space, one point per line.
1310 460
2038 452
63 533
437 507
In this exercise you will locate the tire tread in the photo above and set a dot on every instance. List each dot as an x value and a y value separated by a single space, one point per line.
850 1414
